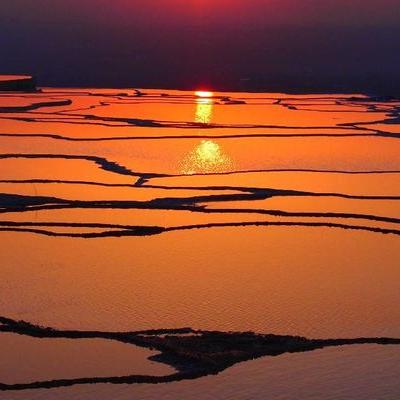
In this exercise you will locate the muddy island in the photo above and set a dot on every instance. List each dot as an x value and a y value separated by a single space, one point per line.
193 353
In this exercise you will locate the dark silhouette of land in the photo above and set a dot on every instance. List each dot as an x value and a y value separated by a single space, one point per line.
193 353
17 83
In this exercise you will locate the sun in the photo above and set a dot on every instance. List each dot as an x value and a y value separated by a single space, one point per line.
204 94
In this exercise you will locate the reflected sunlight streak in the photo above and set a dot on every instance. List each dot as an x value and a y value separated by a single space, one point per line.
204 111
206 157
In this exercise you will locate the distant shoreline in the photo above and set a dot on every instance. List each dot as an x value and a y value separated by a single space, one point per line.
17 83
29 83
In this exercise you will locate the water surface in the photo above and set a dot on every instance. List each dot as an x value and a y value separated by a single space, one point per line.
125 210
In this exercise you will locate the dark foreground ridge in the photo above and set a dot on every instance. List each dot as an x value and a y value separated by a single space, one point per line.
193 353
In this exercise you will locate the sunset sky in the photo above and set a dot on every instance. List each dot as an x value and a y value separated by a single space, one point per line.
191 42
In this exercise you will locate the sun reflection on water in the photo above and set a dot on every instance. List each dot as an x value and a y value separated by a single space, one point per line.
207 156
204 111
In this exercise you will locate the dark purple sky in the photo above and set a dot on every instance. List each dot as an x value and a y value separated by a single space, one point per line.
221 43
193 12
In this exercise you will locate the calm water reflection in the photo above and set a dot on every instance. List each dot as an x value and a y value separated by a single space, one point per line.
204 111
208 156
120 163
